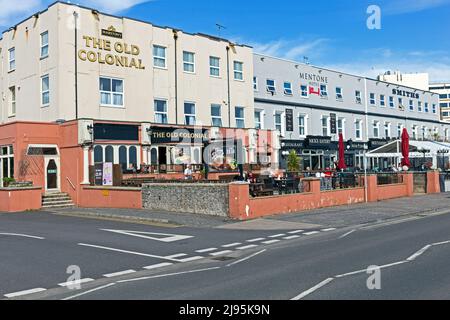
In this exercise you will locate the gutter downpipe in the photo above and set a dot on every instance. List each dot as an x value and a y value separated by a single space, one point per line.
75 15
229 90
367 137
175 37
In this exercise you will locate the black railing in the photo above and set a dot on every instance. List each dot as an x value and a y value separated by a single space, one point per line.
389 178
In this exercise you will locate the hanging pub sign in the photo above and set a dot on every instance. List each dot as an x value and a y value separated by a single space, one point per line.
171 135
289 120
319 142
333 124
376 143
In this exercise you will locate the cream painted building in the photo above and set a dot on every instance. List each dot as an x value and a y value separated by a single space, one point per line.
412 80
128 70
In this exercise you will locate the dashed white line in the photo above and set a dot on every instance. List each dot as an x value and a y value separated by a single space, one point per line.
291 237
277 235
75 282
329 229
191 259
419 253
271 241
178 255
220 253
231 245
248 247
168 275
310 233
256 240
120 273
206 250
296 231
24 293
159 265
315 288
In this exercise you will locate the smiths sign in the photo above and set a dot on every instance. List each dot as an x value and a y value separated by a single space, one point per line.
405 93
111 32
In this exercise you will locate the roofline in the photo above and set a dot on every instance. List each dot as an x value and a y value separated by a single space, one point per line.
344 73
211 37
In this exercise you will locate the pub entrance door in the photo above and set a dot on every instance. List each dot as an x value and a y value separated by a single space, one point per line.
52 174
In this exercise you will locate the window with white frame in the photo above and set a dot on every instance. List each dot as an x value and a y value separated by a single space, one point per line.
278 117
414 132
419 106
391 102
44 44
325 123
411 105
341 126
399 130
400 104
434 108
382 100
111 92
12 101
240 117
424 132
188 62
6 162
259 121
255 84
387 130
358 97
238 70
189 114
376 129
45 90
214 66
216 115
324 91
372 99
12 59
339 95
302 126
287 88
304 91
270 85
159 56
358 130
161 111
426 107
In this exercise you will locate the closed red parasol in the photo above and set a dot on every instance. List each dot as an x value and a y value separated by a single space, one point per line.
405 148
341 164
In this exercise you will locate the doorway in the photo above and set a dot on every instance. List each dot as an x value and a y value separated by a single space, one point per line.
52 181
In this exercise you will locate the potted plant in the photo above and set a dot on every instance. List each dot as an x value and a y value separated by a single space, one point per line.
293 162
7 181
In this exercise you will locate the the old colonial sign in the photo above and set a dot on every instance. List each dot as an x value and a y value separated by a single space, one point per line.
170 135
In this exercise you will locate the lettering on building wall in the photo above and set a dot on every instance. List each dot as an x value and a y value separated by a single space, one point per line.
103 51
405 93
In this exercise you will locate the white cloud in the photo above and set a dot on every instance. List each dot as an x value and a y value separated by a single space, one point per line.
13 13
112 6
395 7
290 49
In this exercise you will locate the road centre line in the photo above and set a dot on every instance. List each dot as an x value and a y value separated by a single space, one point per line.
277 235
310 233
206 250
21 235
120 273
75 282
271 241
159 265
231 245
315 288
291 237
296 231
419 253
168 275
248 247
220 253
256 240
24 292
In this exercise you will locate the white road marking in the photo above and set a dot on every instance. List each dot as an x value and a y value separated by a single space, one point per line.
315 288
159 265
24 293
126 251
178 255
21 235
271 241
419 253
440 243
75 282
148 235
168 275
347 234
118 274
296 231
245 259
232 245
291 237
247 247
220 253
206 250
256 240
329 229
311 233
191 259
277 235
365 270
89 291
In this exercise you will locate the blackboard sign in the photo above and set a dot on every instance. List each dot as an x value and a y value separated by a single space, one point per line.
333 125
98 174
289 120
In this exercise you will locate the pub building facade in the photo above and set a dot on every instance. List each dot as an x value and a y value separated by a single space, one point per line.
81 87
309 106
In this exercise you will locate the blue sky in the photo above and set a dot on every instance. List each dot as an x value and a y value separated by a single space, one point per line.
414 35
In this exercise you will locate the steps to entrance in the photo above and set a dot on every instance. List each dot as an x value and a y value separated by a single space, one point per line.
56 200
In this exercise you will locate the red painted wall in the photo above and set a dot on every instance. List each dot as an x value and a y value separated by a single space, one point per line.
12 200
121 198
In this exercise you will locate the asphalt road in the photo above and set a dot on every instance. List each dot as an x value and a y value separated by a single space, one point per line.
242 264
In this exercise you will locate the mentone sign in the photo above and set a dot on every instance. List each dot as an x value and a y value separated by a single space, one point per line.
104 51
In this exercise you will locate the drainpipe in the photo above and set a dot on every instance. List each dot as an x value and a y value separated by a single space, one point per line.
367 137
75 15
229 90
175 37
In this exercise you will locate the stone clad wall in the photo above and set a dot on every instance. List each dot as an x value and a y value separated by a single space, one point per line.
209 199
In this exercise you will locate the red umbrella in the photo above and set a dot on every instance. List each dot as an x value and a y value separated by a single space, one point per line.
341 164
405 148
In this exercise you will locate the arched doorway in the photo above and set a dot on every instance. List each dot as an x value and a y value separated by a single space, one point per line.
52 175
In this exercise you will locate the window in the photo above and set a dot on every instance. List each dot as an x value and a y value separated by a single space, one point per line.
304 91
382 100
214 66
259 119
159 56
278 122
132 156
443 96
238 71
240 118
358 130
45 90
411 105
433 108
189 114
12 101
270 84
399 130
400 104
387 130
98 154
339 95
12 59
358 97
255 83
426 107
161 111
376 129
419 106
424 132
341 126
323 91
445 114
302 125
288 88
391 102
109 154
216 115
444 105
44 45
325 126
111 92
414 132
188 62
372 99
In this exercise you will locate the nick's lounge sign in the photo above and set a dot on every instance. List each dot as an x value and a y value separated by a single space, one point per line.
113 53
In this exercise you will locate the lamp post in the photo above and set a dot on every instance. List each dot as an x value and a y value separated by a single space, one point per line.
442 153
